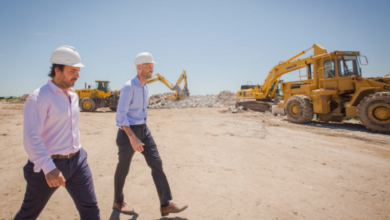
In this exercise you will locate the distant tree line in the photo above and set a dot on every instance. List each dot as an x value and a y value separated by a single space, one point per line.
9 98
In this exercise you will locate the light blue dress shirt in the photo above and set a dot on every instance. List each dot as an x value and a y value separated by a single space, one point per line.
133 103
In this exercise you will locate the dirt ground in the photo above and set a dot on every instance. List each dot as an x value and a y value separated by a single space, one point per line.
223 165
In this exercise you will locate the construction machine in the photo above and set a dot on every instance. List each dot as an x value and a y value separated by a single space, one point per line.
269 93
102 96
99 97
334 90
179 93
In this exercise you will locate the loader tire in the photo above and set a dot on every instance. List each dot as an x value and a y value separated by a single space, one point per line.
87 105
113 109
374 112
299 109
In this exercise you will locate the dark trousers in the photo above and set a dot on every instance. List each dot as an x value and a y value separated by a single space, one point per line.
152 157
78 182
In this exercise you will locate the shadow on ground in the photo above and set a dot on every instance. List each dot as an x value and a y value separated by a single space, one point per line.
345 125
115 215
172 218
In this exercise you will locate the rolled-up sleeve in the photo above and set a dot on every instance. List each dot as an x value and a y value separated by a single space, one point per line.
34 116
123 106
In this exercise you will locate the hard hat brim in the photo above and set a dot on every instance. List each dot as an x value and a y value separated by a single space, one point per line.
144 63
78 65
68 64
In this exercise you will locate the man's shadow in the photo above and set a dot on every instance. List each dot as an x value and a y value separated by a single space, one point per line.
115 216
172 218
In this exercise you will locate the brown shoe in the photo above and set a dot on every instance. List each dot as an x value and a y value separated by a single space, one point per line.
172 208
122 207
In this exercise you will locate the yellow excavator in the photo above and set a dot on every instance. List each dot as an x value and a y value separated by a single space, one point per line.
269 93
333 90
179 93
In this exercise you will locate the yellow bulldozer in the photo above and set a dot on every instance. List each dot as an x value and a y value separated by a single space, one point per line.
102 96
333 90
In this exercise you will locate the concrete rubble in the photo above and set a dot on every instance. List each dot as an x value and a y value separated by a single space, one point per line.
24 97
223 99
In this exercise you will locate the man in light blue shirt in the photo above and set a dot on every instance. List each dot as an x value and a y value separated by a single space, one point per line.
133 135
132 107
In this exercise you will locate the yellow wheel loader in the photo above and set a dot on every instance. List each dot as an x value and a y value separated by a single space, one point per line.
333 90
99 97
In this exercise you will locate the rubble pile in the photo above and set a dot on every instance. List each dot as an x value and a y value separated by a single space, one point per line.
223 99
24 97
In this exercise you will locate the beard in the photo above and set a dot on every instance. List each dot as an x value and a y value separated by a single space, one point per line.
147 75
71 82
68 84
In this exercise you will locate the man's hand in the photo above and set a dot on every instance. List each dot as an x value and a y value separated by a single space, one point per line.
134 141
136 144
54 178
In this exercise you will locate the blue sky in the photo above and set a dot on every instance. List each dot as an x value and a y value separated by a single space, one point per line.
221 44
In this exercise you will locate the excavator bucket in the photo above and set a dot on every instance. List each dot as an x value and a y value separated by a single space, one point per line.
177 89
179 92
183 93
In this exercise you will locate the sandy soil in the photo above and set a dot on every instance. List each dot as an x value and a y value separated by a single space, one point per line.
225 166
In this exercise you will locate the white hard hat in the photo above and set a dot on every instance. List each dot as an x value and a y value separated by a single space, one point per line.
142 58
66 55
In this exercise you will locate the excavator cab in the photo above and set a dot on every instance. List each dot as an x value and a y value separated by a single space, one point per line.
276 91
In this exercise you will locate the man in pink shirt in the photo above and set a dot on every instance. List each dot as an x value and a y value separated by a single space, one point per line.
51 139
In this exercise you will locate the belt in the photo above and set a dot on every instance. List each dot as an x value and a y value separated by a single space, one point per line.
63 156
139 125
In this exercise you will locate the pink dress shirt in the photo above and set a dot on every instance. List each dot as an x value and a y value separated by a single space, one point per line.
51 125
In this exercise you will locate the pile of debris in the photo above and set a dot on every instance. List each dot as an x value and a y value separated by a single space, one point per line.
223 99
24 97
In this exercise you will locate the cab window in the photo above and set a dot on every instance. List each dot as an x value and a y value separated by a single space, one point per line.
103 86
348 66
329 68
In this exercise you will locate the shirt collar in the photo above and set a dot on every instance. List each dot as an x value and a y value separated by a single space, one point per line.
55 88
138 82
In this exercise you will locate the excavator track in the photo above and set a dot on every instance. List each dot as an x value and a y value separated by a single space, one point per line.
255 105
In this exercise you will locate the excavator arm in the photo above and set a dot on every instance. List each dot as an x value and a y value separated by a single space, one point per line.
266 94
183 92
264 91
162 79
182 77
288 66
179 93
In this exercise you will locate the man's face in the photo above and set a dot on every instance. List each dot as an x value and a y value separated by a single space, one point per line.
147 70
67 77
